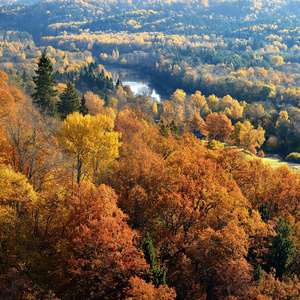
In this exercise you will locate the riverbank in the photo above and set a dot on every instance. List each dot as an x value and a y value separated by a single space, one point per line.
141 83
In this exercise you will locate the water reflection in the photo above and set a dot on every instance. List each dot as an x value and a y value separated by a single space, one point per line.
140 83
142 88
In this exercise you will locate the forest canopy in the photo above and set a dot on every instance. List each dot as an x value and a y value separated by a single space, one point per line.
106 194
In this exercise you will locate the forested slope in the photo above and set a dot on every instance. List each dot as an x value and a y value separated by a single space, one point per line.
109 195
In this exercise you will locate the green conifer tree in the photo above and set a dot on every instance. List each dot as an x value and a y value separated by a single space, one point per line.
174 127
106 100
282 251
258 273
69 101
119 82
158 274
164 130
44 80
210 143
264 211
83 107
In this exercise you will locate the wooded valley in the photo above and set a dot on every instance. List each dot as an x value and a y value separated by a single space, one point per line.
107 194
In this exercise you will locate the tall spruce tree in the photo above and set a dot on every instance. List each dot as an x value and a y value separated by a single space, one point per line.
69 101
282 251
83 107
106 100
174 127
44 94
158 274
164 130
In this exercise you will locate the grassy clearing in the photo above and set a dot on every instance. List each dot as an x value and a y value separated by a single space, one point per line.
274 162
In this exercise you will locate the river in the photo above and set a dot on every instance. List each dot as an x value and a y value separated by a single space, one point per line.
139 82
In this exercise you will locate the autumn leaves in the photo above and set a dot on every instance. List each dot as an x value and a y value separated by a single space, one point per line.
91 142
78 197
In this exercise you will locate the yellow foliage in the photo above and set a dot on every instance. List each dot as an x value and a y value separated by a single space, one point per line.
94 103
245 135
155 108
213 102
14 188
178 97
60 87
277 60
88 59
90 140
197 101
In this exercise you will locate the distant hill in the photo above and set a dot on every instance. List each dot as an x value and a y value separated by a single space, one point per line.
215 17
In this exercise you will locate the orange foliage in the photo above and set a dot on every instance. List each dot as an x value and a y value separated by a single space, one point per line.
105 253
200 206
140 290
219 126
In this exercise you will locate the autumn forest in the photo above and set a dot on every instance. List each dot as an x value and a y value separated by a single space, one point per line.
110 194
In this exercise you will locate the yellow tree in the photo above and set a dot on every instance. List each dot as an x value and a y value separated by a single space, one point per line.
90 140
178 104
245 135
94 103
231 107
17 200
213 103
197 101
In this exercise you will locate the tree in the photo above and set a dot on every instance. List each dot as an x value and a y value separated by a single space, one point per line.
106 100
195 123
283 125
140 289
197 101
174 127
158 274
164 130
17 199
94 103
270 287
282 251
84 110
177 101
219 126
69 101
105 248
44 90
213 103
90 140
245 135
231 107
30 146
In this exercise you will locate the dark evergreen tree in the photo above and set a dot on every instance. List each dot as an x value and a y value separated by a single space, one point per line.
164 130
174 127
210 143
106 100
24 76
119 82
282 251
89 77
69 101
264 212
160 108
158 274
258 273
83 107
44 80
